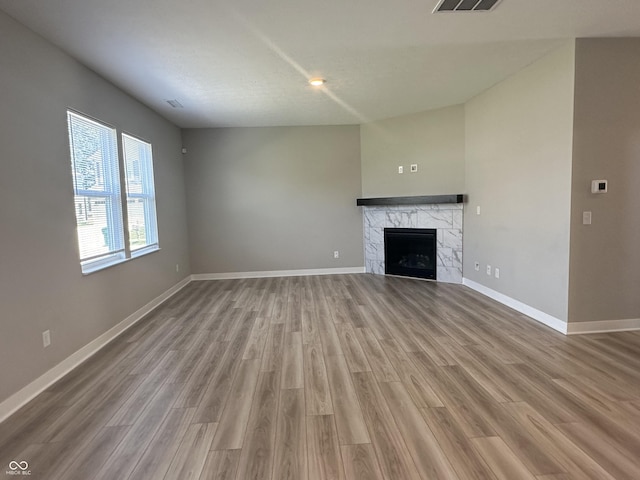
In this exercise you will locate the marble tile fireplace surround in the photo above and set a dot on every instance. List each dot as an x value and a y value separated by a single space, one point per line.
442 212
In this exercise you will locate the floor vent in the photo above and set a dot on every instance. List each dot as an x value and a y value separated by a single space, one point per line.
465 5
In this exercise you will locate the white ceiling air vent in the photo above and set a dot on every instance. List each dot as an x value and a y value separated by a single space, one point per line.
465 5
175 103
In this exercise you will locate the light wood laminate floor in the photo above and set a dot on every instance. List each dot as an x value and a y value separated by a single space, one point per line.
338 377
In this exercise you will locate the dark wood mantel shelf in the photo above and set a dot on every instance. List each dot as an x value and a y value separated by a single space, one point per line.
418 200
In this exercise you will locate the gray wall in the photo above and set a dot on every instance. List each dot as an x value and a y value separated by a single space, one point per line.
433 139
518 170
605 256
41 285
281 198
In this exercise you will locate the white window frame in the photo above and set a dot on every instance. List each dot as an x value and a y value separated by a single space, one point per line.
148 195
116 197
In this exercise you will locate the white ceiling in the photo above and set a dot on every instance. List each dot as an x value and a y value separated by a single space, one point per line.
246 62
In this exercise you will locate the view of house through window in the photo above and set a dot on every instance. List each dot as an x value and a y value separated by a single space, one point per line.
141 202
98 194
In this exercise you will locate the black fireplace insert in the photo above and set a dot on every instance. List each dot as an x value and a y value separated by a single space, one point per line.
410 252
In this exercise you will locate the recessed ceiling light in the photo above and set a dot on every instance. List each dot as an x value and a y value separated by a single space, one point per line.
317 82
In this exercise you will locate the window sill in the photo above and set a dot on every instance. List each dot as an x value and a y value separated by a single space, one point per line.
144 251
98 266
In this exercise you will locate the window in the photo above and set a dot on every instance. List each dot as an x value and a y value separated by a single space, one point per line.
141 200
97 184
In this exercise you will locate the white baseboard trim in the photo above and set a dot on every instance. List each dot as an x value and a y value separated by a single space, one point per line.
277 273
604 326
16 401
568 328
534 313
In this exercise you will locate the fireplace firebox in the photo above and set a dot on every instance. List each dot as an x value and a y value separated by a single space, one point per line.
410 252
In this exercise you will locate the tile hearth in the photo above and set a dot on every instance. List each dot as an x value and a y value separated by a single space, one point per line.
446 218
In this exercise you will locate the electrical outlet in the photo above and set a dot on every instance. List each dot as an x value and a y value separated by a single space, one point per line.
477 266
489 270
177 267
336 254
496 272
586 218
46 338
400 169
414 167
478 210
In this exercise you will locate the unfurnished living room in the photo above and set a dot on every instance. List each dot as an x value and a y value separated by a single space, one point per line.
340 240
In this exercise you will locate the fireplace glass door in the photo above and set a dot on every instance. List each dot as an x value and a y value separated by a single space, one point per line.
410 252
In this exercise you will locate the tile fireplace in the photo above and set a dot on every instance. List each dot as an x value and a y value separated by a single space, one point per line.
416 213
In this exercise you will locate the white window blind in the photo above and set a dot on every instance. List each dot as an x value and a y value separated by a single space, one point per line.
96 182
141 200
99 201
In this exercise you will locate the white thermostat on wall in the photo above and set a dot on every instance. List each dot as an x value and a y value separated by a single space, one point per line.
599 186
